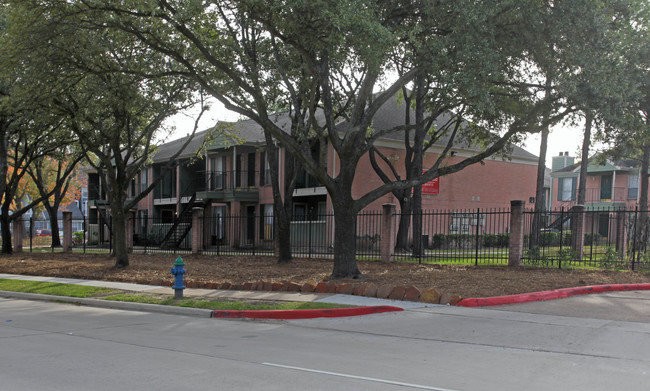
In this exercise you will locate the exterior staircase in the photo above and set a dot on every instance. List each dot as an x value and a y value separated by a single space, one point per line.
182 226
563 218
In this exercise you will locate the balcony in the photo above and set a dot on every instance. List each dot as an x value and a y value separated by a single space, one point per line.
596 198
307 185
227 186
135 190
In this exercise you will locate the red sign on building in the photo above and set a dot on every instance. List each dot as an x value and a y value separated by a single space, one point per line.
431 187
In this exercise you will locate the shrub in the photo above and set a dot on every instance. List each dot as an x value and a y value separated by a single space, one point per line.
503 240
591 238
610 259
567 255
548 238
78 237
438 241
535 257
567 238
461 241
490 240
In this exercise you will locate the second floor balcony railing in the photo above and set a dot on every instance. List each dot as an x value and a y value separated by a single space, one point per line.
231 180
306 181
603 196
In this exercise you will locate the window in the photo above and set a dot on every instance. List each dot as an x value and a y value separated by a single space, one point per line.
218 224
143 179
266 226
217 177
322 211
143 216
265 171
566 189
632 186
167 216
300 212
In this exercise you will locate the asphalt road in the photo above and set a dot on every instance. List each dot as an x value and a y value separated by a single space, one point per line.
48 346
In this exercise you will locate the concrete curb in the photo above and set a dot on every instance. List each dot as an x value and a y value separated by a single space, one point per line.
550 295
117 305
206 313
306 314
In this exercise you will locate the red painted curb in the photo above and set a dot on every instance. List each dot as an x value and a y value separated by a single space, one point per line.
550 295
305 314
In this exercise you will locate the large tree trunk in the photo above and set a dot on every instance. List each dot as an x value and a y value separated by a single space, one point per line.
118 214
5 225
643 229
416 168
282 208
283 224
406 208
540 199
584 163
578 218
54 224
345 246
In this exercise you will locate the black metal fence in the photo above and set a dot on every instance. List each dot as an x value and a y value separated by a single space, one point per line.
462 236
610 239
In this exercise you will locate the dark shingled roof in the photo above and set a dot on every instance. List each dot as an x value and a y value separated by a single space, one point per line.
391 114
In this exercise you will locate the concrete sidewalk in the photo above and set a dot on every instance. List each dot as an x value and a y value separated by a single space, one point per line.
359 301
630 306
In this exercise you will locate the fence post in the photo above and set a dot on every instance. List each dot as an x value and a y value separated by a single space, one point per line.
387 233
206 220
621 233
578 230
31 233
18 236
516 246
478 235
635 234
197 230
84 229
67 231
309 238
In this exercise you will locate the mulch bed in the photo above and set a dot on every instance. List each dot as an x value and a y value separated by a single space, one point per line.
210 271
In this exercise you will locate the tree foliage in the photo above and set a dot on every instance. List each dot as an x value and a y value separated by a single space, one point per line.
335 63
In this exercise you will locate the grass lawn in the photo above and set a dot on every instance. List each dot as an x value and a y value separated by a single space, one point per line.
71 290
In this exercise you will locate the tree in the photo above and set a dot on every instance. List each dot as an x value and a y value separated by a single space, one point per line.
55 175
114 95
331 57
28 132
626 128
118 130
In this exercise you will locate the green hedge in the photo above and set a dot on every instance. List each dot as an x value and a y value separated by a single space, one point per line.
469 241
553 238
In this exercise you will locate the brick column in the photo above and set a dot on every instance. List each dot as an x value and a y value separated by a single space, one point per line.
578 230
18 236
67 232
129 231
205 221
387 233
516 233
197 230
621 233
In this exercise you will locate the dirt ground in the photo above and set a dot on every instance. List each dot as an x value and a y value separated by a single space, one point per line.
466 281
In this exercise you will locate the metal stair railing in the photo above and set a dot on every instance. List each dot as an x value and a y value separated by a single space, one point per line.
181 227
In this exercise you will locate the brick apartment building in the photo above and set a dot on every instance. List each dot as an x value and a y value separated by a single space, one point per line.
231 177
610 186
